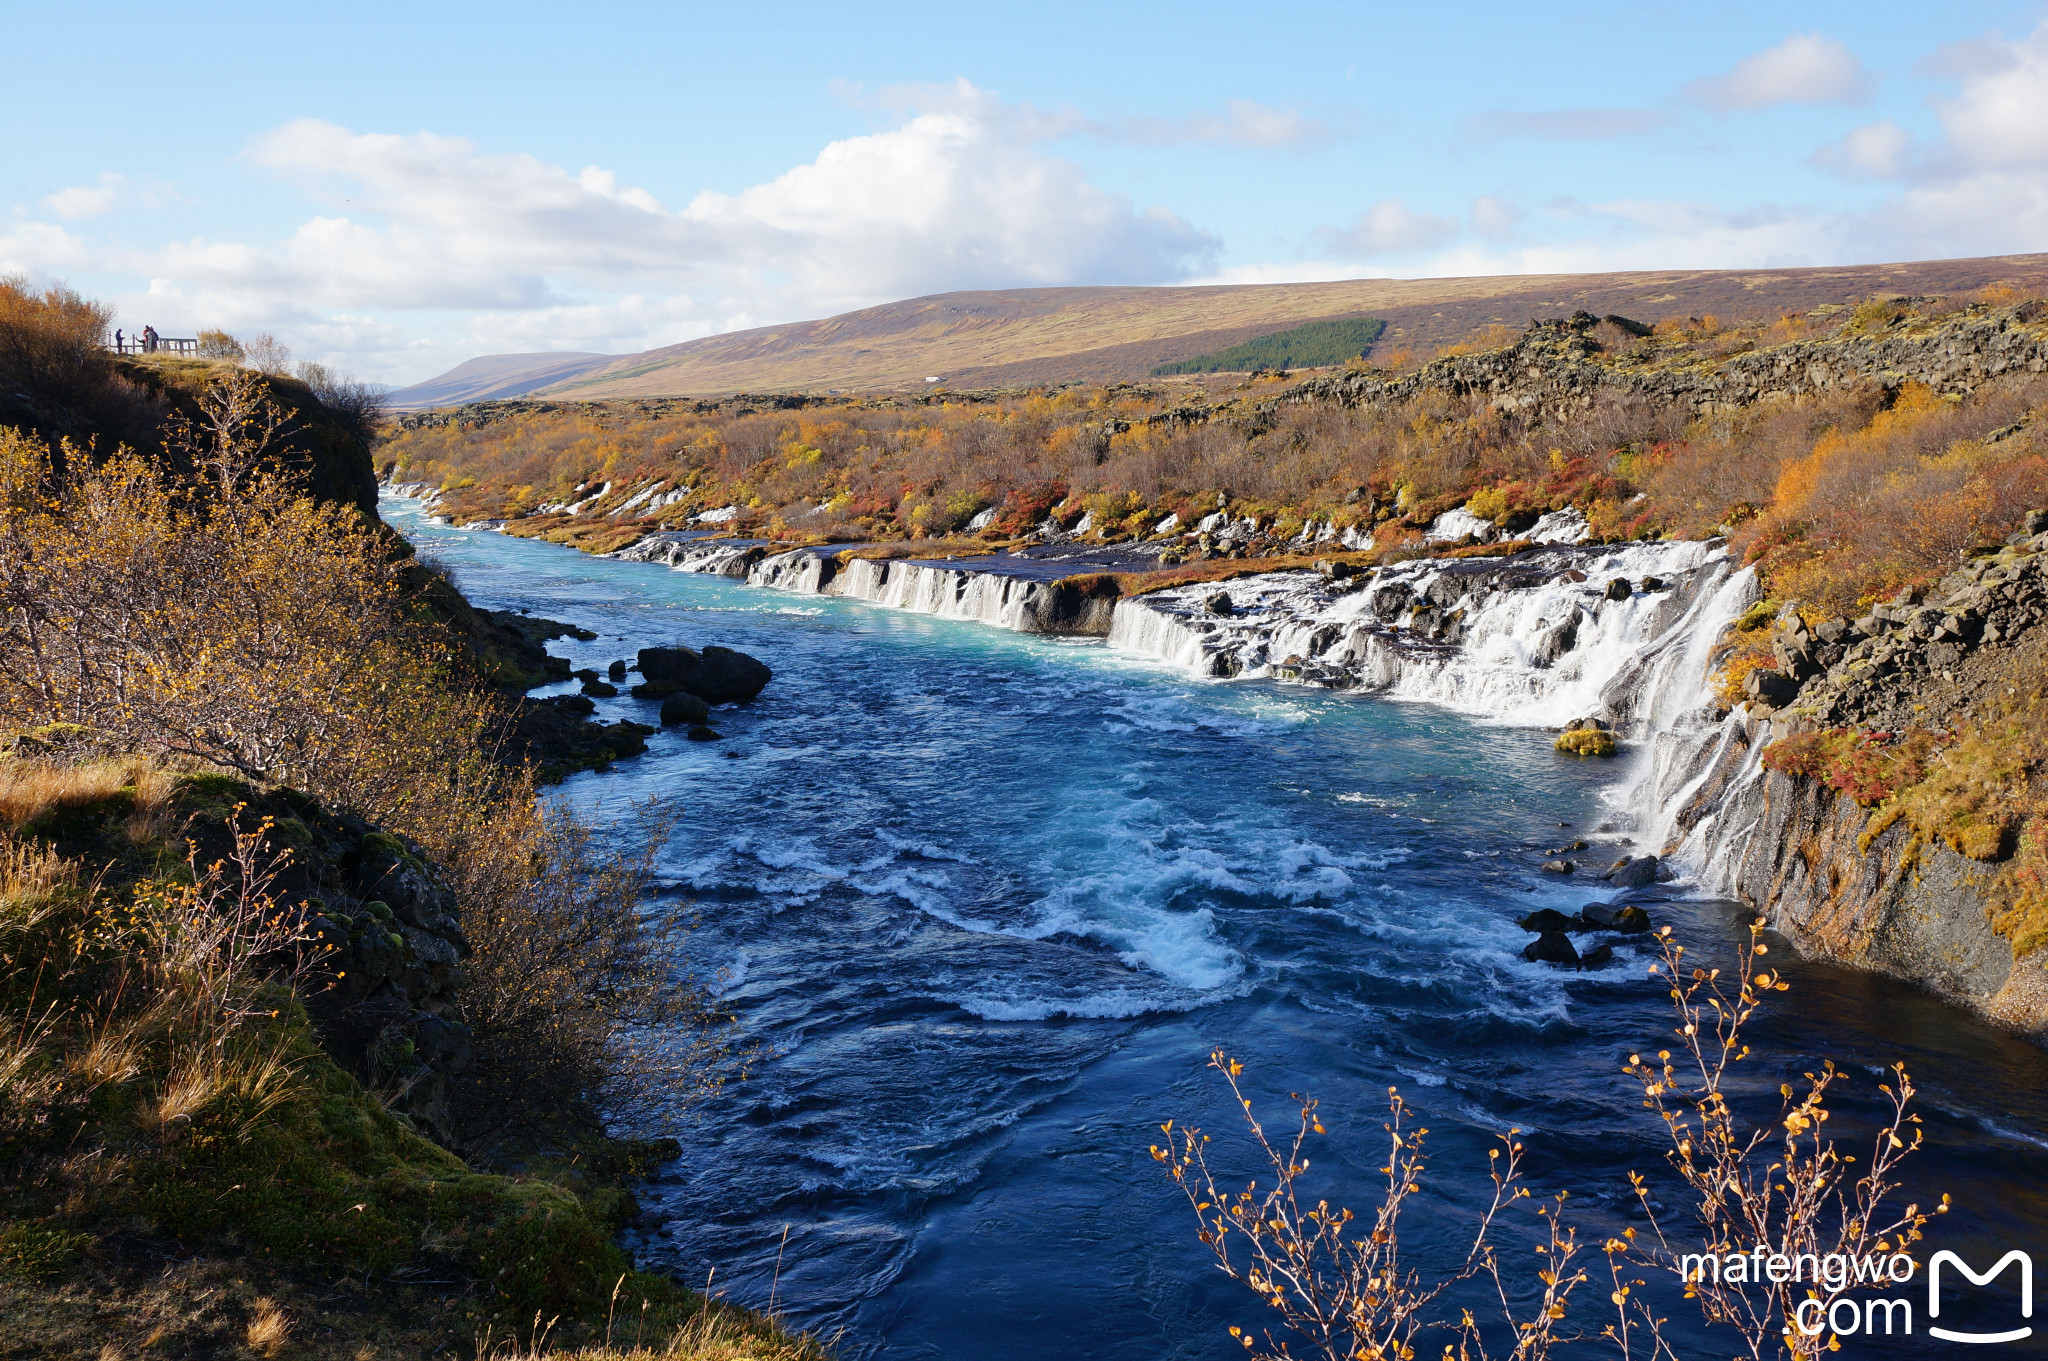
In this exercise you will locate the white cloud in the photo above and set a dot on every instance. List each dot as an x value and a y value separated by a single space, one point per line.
80 201
958 195
1389 227
1878 150
1565 125
951 199
1999 118
1240 123
1495 219
1806 68
1978 187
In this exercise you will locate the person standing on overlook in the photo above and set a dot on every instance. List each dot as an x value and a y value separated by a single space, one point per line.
149 340
117 340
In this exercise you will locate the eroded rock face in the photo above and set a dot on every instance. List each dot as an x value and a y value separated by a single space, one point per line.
385 940
1554 367
1918 912
1794 850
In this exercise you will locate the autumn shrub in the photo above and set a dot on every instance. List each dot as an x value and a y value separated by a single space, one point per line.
579 994
241 625
1341 1284
1838 497
1869 767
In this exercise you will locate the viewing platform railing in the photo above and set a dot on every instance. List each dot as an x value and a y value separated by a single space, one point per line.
163 345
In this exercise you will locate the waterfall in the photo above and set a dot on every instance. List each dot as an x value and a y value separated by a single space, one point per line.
1537 639
1623 633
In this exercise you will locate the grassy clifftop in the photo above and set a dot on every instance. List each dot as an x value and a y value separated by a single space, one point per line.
171 1088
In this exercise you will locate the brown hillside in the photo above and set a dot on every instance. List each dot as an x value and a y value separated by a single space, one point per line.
1039 335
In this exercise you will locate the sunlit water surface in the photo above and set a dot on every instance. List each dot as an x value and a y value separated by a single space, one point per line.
989 901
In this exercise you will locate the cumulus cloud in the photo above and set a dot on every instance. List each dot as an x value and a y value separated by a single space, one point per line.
1999 118
959 194
81 201
1879 150
1806 68
1993 132
1389 227
951 199
1565 125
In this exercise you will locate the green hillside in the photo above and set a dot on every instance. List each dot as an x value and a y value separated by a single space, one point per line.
1315 345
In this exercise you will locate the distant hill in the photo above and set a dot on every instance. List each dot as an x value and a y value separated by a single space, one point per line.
493 375
1049 335
1315 345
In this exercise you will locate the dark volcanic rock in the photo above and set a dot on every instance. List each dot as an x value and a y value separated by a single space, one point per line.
1552 947
1638 873
558 737
681 708
1546 919
717 675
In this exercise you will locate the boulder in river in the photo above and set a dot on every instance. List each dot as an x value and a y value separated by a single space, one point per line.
684 708
1640 872
1613 917
1552 947
717 675
1220 603
1546 919
598 689
1595 957
617 672
1618 589
700 733
1558 867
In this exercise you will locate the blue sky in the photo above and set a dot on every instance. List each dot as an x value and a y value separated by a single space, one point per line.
392 189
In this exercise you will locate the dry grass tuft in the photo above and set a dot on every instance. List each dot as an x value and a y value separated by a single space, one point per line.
113 1056
28 789
269 1328
717 1333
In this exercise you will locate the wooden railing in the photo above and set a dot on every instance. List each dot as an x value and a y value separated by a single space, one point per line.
163 345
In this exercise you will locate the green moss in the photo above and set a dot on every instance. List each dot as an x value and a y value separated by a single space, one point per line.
1586 742
34 1252
325 1177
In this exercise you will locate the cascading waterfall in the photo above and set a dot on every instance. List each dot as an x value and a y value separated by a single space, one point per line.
1536 640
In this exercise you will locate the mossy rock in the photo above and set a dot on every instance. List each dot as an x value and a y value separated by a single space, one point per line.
1587 742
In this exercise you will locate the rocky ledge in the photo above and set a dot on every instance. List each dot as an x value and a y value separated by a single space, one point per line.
1881 671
